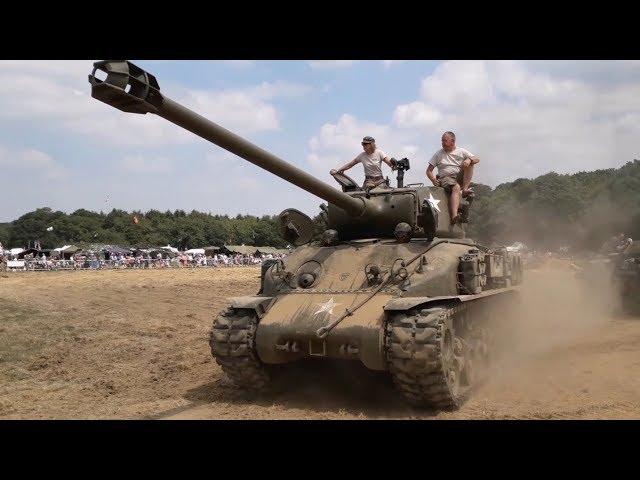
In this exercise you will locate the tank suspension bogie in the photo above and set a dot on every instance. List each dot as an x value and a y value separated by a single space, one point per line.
232 342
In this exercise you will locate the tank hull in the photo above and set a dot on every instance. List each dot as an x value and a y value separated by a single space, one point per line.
290 318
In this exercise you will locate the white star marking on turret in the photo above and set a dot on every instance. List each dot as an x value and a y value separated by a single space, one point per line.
433 202
327 307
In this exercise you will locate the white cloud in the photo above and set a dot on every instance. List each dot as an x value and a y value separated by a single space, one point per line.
236 110
458 84
526 123
330 64
245 110
58 95
30 161
278 89
520 120
416 114
55 68
596 71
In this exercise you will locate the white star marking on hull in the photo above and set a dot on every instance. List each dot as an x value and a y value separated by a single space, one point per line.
434 203
328 306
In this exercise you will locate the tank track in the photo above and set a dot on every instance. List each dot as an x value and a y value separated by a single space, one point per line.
232 345
429 363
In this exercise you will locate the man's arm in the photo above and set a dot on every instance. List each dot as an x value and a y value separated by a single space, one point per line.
470 159
432 176
346 166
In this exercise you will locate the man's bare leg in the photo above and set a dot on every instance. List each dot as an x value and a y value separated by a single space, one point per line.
467 175
454 203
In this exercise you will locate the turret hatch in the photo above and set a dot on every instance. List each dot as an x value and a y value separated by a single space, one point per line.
296 227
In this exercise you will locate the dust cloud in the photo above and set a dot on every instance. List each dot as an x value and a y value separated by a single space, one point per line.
564 352
556 308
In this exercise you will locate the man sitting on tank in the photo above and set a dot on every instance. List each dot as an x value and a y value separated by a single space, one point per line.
623 242
455 171
371 160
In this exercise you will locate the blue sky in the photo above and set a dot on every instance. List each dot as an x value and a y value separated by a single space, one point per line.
62 149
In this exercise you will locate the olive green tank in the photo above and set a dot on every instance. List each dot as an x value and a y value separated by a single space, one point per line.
614 277
390 282
626 278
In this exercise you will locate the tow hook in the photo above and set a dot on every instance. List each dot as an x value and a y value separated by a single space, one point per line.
292 347
346 349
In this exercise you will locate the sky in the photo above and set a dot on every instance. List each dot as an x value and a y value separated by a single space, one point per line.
62 149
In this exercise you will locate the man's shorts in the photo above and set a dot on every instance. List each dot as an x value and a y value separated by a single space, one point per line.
448 181
373 182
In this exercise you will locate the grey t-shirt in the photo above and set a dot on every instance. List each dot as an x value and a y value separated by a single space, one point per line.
372 163
449 163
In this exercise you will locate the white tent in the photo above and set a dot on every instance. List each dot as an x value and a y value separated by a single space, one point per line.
16 251
517 247
195 251
171 249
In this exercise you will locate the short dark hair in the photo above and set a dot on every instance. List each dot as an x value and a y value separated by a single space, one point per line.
450 134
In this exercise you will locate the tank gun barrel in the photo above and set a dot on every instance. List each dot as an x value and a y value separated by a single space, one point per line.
131 89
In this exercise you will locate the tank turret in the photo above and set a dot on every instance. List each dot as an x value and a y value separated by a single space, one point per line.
353 212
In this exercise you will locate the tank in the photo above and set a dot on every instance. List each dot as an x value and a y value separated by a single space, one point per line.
626 278
390 282
615 277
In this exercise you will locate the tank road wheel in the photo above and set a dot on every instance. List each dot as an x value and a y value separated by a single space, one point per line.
232 341
430 365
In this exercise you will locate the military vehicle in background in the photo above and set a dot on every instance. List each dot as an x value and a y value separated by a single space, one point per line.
391 283
613 274
626 277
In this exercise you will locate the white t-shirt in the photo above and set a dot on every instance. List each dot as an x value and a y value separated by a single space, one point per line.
449 163
372 163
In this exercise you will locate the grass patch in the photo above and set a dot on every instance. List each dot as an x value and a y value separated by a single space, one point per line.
21 335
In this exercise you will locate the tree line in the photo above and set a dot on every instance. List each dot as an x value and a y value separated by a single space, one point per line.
578 210
137 229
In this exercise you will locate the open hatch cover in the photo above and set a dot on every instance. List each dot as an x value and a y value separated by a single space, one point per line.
296 227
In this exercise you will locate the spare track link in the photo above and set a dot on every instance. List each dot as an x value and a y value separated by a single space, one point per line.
414 350
232 345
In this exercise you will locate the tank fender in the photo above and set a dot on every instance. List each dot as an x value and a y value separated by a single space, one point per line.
407 303
403 304
261 305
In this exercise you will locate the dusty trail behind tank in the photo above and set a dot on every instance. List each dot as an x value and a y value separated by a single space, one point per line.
567 356
132 344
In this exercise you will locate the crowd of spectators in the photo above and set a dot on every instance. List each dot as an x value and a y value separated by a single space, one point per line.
96 261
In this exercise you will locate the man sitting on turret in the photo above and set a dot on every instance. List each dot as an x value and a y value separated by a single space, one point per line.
623 242
371 160
455 170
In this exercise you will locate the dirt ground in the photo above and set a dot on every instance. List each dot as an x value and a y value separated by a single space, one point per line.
133 344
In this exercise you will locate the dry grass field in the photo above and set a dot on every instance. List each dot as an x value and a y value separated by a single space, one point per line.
133 344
